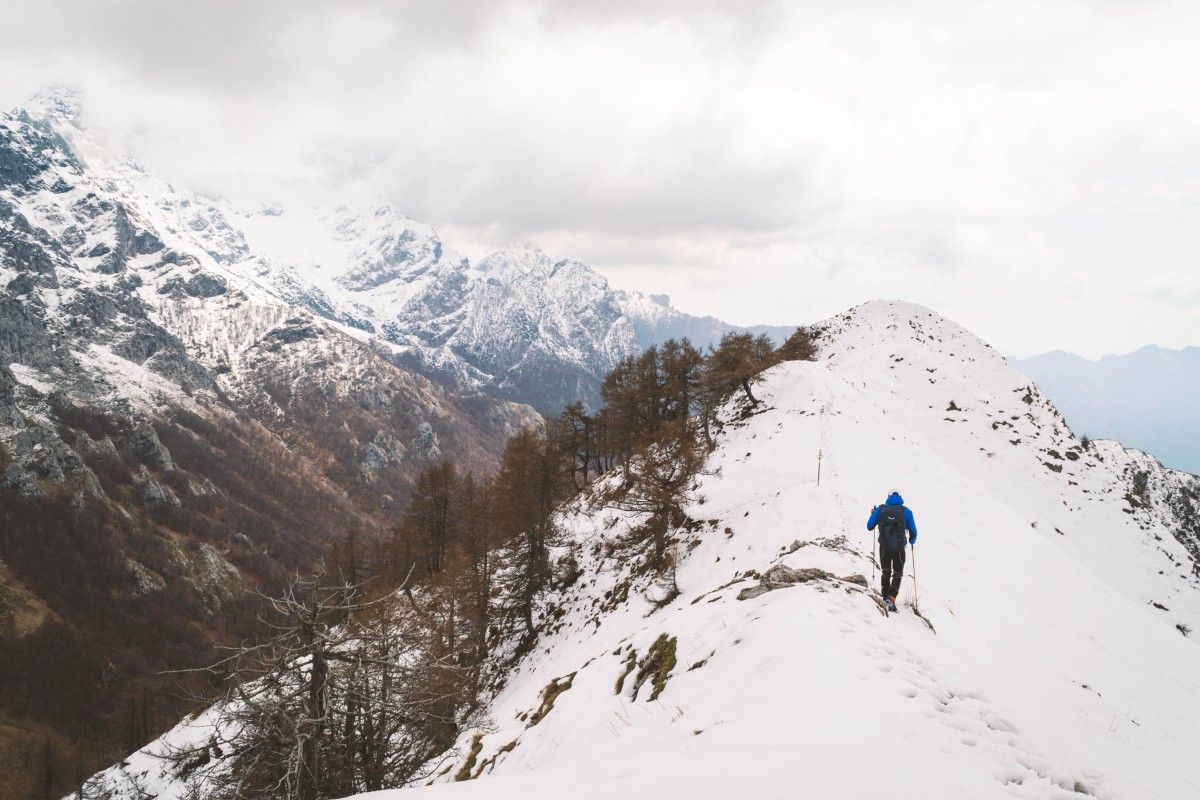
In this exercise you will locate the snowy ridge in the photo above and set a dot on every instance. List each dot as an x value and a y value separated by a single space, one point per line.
1145 399
1046 663
1050 672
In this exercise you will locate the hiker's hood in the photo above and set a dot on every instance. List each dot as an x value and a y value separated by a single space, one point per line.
895 500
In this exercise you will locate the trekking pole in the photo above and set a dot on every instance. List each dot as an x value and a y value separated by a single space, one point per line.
916 592
872 535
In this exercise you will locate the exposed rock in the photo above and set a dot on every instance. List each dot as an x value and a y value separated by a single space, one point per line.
56 461
132 240
202 488
41 454
23 164
383 451
23 284
424 445
213 575
200 285
781 575
144 442
752 592
145 580
94 308
22 482
23 335
162 353
294 330
153 492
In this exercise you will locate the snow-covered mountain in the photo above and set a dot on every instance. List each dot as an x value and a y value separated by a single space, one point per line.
517 325
173 432
1056 584
1145 399
122 290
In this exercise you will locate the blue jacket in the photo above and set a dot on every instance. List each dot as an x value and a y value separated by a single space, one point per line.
896 500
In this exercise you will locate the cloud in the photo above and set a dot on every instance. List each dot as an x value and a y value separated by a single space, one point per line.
1174 288
923 149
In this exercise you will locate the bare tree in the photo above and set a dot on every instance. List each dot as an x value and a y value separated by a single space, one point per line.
575 431
346 696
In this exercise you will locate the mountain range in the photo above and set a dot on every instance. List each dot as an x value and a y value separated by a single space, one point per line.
1145 399
1044 647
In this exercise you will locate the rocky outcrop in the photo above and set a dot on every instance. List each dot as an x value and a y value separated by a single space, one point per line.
781 575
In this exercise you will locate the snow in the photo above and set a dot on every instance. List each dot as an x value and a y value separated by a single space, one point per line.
29 376
126 380
1045 669
143 774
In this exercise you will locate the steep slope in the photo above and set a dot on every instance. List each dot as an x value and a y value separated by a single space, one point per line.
1145 399
171 435
1056 586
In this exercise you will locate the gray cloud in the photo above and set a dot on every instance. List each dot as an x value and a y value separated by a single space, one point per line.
700 148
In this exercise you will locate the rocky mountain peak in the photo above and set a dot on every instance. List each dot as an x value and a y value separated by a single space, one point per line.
52 104
522 260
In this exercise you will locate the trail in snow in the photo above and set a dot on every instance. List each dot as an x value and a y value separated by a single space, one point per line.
1048 664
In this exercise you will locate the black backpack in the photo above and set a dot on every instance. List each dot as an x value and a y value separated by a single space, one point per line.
891 526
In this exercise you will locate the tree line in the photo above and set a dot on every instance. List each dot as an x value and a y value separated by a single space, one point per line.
382 658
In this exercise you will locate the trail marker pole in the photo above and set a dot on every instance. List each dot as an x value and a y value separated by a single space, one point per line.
818 468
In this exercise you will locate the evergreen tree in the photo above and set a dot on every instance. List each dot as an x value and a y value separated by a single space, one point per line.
735 361
800 346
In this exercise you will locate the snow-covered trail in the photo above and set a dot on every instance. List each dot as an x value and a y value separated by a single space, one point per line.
1024 628
1049 673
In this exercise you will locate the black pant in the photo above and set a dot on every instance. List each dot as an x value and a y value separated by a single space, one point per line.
891 561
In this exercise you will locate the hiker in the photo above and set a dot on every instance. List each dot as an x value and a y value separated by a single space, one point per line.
892 518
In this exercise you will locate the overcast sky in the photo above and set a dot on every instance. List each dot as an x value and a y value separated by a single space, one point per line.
1029 169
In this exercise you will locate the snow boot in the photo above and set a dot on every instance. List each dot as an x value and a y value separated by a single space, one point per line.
890 602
